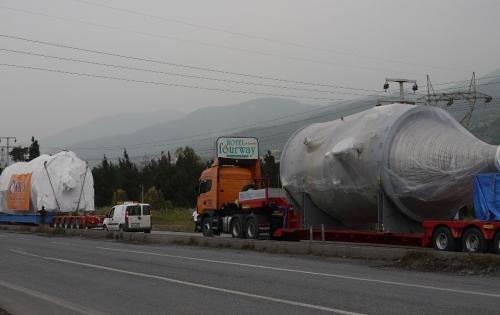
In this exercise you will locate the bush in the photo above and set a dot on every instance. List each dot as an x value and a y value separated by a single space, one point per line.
119 196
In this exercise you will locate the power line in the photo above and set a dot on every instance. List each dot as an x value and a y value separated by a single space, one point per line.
177 74
182 65
167 84
267 39
174 38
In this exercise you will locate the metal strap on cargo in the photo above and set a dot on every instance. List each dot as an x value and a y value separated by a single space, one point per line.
81 190
51 186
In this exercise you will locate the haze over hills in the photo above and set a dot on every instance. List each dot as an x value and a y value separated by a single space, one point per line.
192 129
109 126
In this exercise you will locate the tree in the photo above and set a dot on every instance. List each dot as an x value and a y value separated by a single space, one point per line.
34 149
104 182
271 170
128 176
155 198
19 154
188 168
119 196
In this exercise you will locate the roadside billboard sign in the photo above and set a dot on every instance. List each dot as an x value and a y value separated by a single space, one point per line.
237 148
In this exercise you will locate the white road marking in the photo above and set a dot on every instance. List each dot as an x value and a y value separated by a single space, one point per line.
403 284
51 299
192 284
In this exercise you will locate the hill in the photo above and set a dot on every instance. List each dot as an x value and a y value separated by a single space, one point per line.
197 129
110 126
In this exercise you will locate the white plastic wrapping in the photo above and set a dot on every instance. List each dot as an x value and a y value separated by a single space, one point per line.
419 156
59 183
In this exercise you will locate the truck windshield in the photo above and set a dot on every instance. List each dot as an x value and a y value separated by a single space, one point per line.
205 186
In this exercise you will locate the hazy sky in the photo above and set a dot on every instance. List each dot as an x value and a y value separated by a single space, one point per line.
350 44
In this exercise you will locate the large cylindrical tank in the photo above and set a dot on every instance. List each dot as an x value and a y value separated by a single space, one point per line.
58 183
419 156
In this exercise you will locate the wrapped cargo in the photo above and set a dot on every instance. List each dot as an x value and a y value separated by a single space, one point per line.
58 183
391 166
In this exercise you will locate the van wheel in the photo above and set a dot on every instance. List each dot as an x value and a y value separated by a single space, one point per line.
496 243
147 231
105 228
473 241
206 227
442 239
252 228
120 228
236 227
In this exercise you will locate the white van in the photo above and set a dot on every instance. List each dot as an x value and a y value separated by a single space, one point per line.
129 217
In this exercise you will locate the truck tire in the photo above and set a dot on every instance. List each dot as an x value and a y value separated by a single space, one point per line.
236 227
206 227
442 239
496 243
473 241
252 228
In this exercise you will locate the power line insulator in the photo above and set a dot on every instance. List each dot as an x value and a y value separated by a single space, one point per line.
386 86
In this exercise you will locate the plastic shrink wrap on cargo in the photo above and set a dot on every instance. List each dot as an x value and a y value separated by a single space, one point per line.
392 165
59 183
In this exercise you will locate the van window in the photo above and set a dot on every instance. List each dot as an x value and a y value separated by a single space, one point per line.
111 212
145 210
134 210
205 186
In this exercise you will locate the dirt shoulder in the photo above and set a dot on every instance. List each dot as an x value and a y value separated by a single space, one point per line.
456 263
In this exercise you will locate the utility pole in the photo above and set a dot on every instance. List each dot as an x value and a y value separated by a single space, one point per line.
401 88
7 139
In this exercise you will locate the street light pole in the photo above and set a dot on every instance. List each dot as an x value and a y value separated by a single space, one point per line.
7 146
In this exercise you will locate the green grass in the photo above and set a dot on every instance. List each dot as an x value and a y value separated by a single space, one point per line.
176 219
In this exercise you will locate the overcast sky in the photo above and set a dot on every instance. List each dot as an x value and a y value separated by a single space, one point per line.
348 43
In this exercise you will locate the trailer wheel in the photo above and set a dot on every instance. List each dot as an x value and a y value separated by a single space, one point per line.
252 228
473 241
236 227
206 227
442 239
496 243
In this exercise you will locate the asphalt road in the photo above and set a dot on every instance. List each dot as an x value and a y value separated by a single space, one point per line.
64 275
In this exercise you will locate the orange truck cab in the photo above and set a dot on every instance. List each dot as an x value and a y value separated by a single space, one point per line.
236 169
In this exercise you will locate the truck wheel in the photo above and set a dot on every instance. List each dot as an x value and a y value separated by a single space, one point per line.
473 241
252 228
236 227
496 243
206 227
442 239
